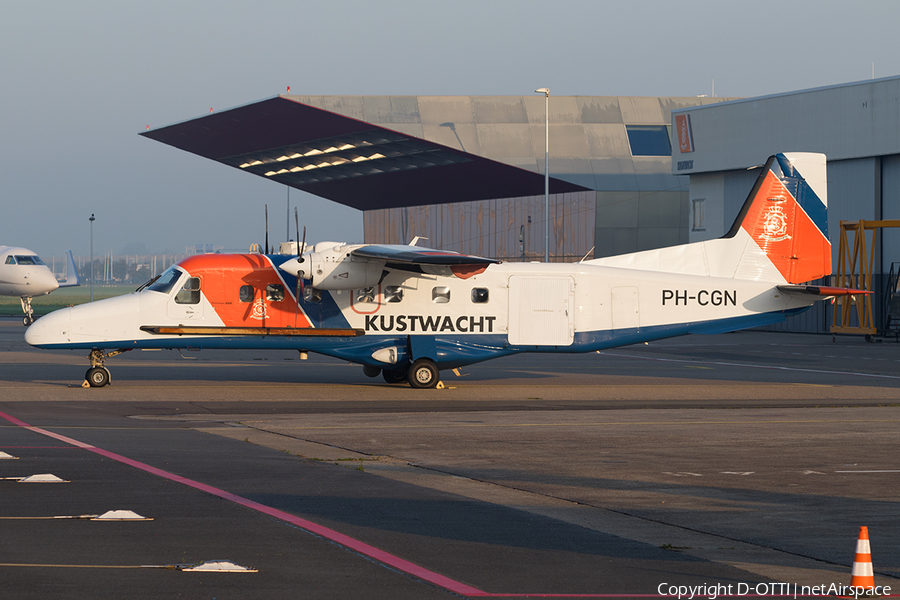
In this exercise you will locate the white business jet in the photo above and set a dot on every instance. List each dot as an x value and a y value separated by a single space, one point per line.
24 274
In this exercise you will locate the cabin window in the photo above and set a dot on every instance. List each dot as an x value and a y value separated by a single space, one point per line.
393 293
365 295
312 295
189 292
247 293
479 295
275 292
10 260
440 295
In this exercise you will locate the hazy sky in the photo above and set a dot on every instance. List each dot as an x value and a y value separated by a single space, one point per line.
80 80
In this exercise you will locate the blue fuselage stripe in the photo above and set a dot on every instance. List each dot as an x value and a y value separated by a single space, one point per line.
450 351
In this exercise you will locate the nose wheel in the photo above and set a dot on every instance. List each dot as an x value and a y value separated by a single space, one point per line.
26 308
98 375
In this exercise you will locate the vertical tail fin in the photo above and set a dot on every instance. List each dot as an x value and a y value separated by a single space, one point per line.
786 216
780 234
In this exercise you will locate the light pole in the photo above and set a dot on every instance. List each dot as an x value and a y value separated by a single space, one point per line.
546 92
92 256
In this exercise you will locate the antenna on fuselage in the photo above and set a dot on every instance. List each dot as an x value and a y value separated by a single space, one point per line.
266 247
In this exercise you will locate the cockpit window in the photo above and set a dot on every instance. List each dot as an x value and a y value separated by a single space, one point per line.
166 281
10 260
189 292
28 259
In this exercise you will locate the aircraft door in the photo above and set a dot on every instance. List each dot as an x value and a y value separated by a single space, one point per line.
625 308
185 305
541 311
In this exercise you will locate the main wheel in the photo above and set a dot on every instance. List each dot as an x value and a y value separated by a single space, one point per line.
394 376
423 374
370 371
97 376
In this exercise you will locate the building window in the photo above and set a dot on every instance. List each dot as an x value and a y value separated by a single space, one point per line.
393 293
275 292
649 140
440 295
189 292
246 293
479 295
698 214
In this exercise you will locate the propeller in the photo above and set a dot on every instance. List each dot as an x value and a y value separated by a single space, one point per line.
300 248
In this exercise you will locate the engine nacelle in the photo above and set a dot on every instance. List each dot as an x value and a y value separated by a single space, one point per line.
331 266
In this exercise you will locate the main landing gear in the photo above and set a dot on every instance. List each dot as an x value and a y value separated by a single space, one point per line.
422 374
98 375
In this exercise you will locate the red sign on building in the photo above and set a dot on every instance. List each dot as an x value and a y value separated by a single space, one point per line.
685 135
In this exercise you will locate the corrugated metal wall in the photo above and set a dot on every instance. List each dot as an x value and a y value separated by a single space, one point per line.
492 228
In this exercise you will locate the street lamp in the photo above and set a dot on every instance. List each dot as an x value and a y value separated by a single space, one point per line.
546 92
92 256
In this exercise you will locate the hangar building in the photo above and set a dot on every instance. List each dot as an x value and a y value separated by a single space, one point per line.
467 172
857 127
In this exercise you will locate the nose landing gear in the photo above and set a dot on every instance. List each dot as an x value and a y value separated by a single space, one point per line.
26 308
98 375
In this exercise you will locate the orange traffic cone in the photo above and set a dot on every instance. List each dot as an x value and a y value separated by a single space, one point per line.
862 575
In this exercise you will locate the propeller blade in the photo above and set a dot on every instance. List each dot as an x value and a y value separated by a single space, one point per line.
297 223
300 248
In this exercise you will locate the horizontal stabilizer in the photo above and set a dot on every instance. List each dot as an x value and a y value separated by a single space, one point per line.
819 290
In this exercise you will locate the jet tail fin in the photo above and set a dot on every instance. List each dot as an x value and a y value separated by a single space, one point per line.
72 279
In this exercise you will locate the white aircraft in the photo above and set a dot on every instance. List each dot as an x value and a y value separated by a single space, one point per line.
407 312
24 274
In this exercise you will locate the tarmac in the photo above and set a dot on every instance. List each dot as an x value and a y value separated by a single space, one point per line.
747 460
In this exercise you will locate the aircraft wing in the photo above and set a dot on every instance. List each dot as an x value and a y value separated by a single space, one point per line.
819 290
425 260
411 255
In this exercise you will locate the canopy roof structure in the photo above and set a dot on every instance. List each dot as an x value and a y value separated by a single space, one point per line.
348 160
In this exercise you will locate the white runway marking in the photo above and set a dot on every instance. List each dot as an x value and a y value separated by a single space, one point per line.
726 364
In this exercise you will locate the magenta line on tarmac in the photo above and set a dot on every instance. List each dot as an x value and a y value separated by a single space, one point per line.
357 546
377 554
